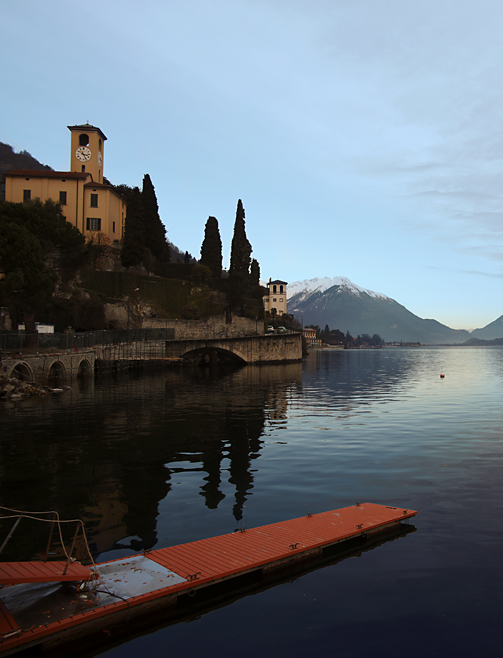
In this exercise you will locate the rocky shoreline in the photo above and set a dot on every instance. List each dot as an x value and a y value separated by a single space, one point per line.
16 389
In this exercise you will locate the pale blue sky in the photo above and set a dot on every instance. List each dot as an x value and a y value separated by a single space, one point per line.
363 136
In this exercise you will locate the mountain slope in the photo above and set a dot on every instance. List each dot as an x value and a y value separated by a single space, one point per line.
491 331
10 160
343 305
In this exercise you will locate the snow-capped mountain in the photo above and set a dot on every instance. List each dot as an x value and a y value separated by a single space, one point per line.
341 304
320 284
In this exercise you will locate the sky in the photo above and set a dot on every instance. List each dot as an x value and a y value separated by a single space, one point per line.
364 137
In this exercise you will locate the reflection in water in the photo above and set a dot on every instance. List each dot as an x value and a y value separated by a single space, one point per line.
107 451
345 378
177 456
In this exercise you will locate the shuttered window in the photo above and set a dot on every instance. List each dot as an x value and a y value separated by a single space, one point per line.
93 224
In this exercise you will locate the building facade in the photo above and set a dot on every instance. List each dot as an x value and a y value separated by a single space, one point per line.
310 336
86 201
276 297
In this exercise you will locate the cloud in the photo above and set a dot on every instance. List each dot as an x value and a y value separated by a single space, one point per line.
436 194
490 275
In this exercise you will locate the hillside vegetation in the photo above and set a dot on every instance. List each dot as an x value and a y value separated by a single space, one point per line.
50 274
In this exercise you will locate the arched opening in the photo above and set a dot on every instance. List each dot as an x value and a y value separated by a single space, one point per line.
210 356
56 375
84 369
83 139
22 372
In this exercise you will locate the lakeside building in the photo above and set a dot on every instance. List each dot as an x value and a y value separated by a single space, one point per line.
88 203
276 297
310 336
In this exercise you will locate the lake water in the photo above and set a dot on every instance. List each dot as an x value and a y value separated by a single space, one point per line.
159 459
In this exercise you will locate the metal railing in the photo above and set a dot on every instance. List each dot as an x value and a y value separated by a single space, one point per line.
13 340
19 340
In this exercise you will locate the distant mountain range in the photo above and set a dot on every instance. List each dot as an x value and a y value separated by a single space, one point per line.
341 304
492 331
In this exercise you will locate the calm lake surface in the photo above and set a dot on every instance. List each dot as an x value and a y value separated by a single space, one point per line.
153 460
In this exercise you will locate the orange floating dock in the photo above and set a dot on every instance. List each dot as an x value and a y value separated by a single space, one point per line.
142 584
15 573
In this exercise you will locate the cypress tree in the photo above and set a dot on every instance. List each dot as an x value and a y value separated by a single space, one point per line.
154 229
240 248
254 272
211 249
239 270
133 249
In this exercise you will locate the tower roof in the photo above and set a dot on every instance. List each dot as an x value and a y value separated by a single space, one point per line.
86 127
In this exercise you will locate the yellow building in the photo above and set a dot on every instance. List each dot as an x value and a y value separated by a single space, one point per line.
86 201
276 298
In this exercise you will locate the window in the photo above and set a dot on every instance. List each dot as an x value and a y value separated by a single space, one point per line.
274 289
281 288
83 168
113 227
62 198
281 299
93 224
94 200
26 195
274 299
83 140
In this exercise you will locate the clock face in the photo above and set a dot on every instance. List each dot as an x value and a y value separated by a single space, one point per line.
83 153
100 159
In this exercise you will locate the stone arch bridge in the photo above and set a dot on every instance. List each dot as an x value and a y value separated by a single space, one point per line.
248 349
58 368
49 369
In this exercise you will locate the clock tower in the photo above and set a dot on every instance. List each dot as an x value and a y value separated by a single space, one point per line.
87 151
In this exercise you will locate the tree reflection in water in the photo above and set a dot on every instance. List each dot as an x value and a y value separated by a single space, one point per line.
108 449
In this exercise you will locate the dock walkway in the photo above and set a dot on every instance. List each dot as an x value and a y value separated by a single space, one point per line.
15 573
220 558
145 583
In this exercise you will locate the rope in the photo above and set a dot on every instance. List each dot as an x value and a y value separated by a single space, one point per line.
31 515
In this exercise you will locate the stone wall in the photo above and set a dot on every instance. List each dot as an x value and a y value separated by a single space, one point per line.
213 327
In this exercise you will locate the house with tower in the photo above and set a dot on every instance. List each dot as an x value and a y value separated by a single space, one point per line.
276 297
88 203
